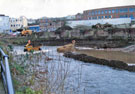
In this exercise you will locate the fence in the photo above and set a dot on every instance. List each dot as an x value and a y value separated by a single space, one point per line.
5 73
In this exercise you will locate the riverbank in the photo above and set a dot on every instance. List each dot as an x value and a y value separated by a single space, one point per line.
79 42
120 54
90 59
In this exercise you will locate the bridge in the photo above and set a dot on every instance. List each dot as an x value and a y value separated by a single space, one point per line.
6 85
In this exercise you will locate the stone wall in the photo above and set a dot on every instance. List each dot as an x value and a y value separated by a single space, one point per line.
92 34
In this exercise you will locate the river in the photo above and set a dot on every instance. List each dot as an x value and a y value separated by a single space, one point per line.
87 78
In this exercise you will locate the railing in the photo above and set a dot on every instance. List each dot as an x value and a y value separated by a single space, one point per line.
5 73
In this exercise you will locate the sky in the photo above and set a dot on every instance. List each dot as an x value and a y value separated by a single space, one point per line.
54 8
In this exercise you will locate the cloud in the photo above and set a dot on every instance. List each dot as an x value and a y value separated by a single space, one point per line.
54 8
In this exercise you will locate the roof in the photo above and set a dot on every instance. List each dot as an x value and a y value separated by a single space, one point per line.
111 7
34 26
2 15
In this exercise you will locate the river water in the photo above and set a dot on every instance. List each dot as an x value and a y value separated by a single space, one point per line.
87 78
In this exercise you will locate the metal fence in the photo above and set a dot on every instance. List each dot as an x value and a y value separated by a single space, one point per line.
5 73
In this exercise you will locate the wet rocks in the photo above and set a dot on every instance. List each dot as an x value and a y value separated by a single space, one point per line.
90 59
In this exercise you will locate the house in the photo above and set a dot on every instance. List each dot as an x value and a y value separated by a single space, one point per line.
18 23
50 24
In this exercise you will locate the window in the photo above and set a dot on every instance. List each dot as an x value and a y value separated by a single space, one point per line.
95 12
102 12
113 11
109 11
94 17
105 11
131 16
89 18
123 10
131 9
99 17
92 12
99 12
117 11
123 16
102 17
105 16
110 16
89 13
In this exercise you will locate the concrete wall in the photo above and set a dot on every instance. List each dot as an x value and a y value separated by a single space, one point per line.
101 21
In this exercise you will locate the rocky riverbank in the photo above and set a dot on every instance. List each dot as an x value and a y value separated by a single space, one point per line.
110 63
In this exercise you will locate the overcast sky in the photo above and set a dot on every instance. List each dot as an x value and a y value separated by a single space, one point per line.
54 8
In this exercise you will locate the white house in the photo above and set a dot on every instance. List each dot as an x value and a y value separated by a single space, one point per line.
17 23
4 24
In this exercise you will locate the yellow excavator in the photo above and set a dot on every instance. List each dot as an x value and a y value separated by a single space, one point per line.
32 47
26 32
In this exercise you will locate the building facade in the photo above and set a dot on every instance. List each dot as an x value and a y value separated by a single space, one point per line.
18 23
48 24
4 23
110 12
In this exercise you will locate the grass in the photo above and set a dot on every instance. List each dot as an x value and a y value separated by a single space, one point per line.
110 55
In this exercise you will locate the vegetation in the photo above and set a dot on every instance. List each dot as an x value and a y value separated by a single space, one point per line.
51 78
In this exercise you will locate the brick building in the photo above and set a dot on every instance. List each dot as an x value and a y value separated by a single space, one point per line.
110 12
48 24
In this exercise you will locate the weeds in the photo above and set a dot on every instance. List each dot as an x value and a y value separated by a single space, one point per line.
35 74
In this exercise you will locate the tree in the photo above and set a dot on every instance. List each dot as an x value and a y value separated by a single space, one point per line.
60 30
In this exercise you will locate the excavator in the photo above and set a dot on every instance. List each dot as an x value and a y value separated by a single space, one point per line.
32 47
67 48
26 32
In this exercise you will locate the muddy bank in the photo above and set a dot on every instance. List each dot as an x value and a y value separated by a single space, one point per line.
126 55
110 63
